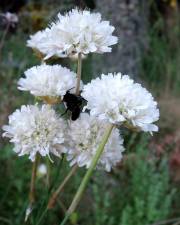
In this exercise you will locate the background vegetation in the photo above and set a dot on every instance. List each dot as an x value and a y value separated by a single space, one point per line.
144 188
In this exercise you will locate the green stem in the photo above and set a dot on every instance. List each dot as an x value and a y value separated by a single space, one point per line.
33 180
55 195
79 74
65 219
48 173
41 217
50 189
88 174
58 171
32 188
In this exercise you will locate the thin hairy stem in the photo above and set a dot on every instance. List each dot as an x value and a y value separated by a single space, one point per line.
65 219
32 189
178 223
3 37
168 221
41 217
79 69
58 172
33 180
55 195
88 174
48 173
56 177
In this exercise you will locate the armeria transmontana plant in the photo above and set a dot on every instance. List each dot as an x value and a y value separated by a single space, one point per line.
92 140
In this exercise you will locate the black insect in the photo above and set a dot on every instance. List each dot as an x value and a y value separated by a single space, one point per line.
74 104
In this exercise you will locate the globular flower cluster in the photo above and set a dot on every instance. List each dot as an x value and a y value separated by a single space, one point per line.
85 134
119 100
34 130
75 32
42 170
46 80
38 39
44 43
111 99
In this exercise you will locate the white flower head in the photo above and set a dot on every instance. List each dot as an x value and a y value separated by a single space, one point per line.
34 130
85 135
41 170
11 18
46 80
117 99
37 39
42 42
80 32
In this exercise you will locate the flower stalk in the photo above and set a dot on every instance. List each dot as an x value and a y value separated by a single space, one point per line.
4 36
55 195
33 180
48 173
79 69
88 174
32 189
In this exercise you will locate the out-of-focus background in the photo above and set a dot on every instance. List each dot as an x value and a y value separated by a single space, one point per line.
145 188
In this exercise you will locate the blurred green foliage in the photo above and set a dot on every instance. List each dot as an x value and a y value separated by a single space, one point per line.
150 199
161 61
139 192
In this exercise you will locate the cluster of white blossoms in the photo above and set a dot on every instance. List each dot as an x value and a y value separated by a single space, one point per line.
34 130
119 100
111 99
75 32
46 80
84 136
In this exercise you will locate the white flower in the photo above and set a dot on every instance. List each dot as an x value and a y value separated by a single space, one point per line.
11 17
117 99
37 39
46 80
79 32
41 170
34 130
42 41
85 135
